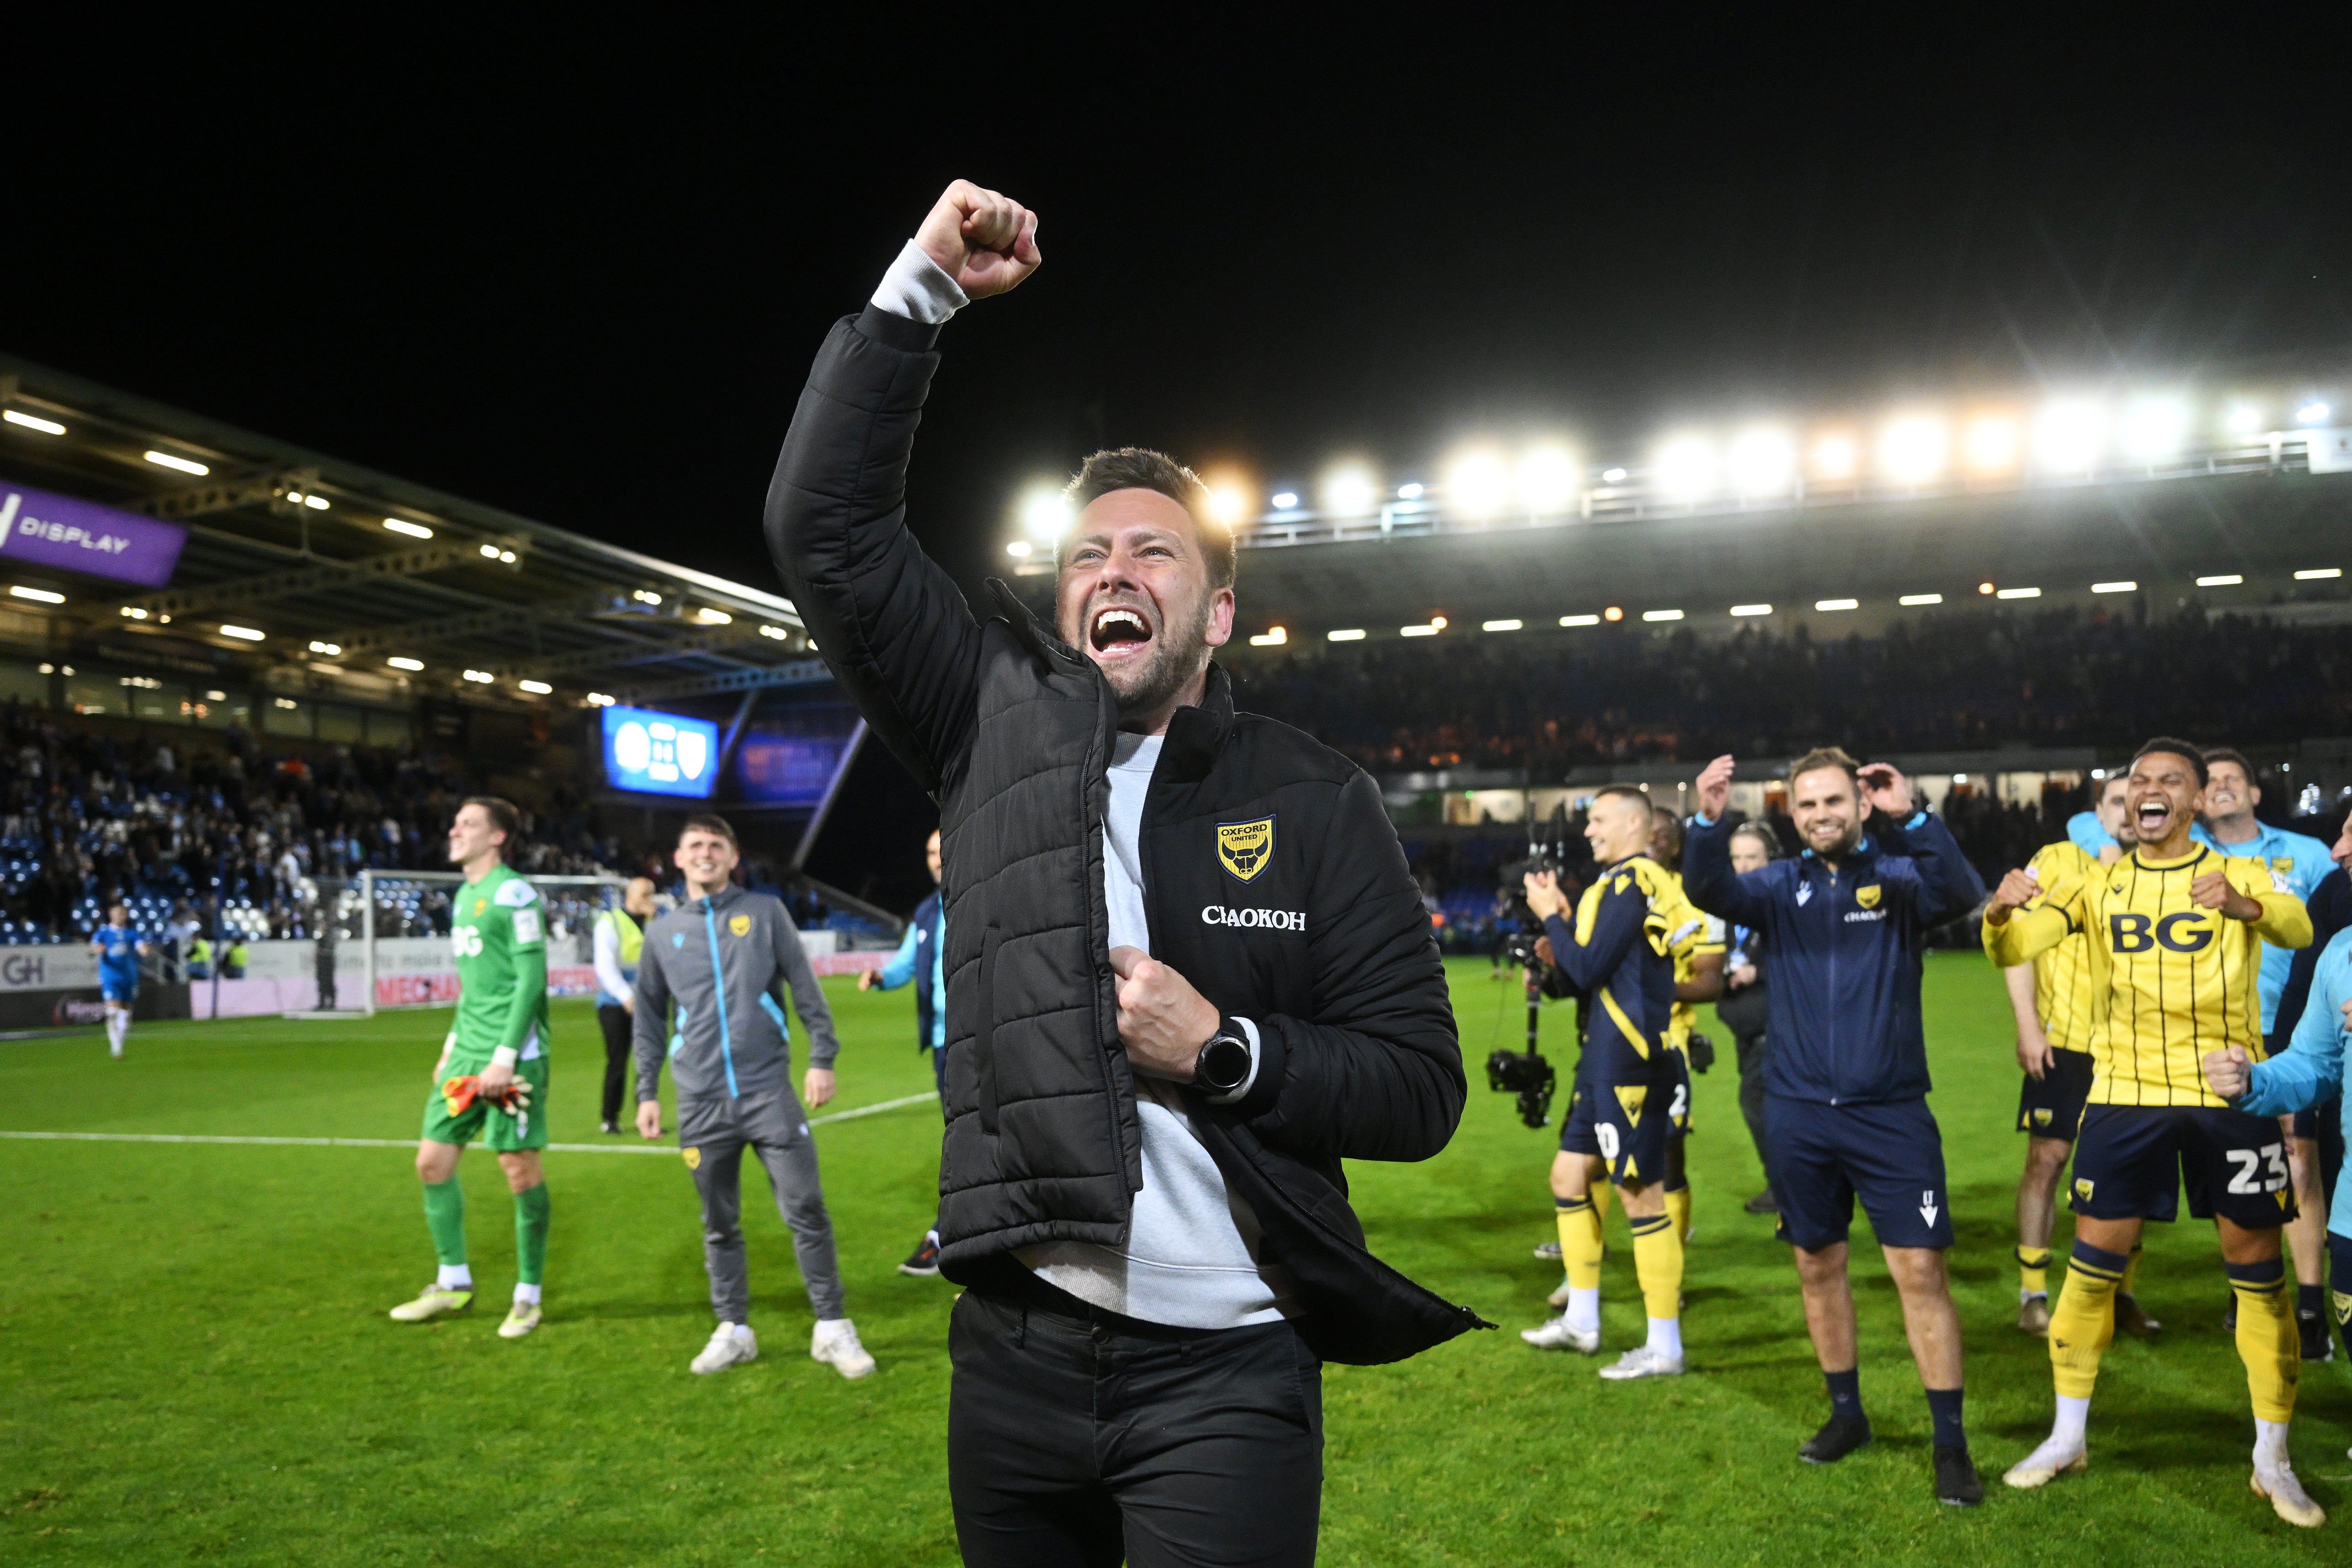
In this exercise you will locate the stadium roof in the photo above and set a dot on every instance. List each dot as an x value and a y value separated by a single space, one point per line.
329 572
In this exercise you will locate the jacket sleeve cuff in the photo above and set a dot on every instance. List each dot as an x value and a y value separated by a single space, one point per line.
916 288
877 325
1267 1060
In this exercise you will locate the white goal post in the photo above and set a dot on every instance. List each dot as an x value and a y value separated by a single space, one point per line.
403 929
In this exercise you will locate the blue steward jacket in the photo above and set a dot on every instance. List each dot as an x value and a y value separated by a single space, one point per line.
1844 1010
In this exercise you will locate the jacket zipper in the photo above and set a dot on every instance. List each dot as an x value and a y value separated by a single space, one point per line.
719 990
1837 1070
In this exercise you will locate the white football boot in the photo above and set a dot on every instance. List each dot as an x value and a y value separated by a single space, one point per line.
2277 1482
437 1302
729 1344
836 1344
2057 1456
1554 1334
1643 1360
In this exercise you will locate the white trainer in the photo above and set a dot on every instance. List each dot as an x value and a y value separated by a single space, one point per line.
2057 1456
2292 1503
520 1321
436 1301
835 1344
729 1344
1554 1334
1643 1362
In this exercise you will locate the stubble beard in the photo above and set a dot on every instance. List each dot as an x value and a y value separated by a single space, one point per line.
1177 655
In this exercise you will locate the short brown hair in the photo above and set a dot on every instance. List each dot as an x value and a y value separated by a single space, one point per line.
706 822
2229 754
1142 468
1826 757
1636 791
502 813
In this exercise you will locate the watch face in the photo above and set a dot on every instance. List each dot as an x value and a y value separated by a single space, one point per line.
1224 1064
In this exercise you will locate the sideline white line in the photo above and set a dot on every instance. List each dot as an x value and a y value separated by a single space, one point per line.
875 1109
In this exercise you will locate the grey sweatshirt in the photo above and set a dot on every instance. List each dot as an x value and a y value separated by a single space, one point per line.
726 962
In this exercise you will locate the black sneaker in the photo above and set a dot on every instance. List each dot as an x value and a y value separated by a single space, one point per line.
612 1126
1763 1202
1839 1436
2318 1344
1956 1478
923 1263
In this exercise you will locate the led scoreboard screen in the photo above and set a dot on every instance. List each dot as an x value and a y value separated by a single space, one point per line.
660 754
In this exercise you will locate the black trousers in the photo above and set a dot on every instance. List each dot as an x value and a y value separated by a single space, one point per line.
616 1023
1081 1439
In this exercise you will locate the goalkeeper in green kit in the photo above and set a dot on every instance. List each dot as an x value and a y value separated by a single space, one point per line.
491 1082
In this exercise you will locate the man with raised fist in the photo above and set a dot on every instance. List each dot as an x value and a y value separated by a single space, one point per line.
1187 973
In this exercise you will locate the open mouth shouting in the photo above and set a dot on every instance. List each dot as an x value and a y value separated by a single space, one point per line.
1118 633
2151 815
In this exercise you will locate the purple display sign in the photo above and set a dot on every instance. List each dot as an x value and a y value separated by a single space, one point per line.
82 536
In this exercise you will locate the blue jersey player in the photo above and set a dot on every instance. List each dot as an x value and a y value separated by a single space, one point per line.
1845 1107
119 952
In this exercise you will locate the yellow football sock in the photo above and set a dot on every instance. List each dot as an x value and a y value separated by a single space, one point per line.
2084 1320
1579 1242
2033 1270
2267 1340
1678 1209
1658 1264
2131 1270
1600 1195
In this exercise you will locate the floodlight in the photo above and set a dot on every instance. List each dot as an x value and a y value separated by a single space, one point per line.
1422 631
2310 415
2018 594
2126 586
167 460
1580 620
491 551
1505 626
2155 428
481 676
1751 609
1273 636
2221 579
1285 500
1409 492
397 662
1229 503
1912 599
1018 550
1548 479
1349 634
1828 604
1834 458
1685 467
2319 573
1612 476
711 617
1350 490
2070 435
645 596
402 525
1045 511
600 700
135 613
777 633
1992 443
1912 450
329 648
2245 419
39 596
536 688
1614 613
1478 483
33 422
1763 463
244 634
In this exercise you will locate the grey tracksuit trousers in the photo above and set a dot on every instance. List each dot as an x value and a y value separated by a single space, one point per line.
712 1134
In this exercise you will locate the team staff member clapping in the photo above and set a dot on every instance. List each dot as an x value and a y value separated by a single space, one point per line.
1847 1086
1188 972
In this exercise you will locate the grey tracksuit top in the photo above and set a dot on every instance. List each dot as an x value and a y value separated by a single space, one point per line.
728 1039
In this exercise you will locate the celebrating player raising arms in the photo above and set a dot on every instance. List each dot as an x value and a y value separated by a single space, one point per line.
2181 930
492 1076
1846 1107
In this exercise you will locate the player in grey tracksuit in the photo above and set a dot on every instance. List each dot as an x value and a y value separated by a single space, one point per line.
726 962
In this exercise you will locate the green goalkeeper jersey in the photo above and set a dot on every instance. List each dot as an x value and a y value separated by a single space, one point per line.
499 932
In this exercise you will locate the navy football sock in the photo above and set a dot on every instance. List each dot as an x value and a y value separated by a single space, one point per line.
1943 1405
1845 1392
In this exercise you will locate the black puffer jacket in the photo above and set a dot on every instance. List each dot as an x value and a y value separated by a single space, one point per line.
1319 940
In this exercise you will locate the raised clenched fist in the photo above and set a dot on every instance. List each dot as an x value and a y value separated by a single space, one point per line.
986 242
2230 1071
1714 789
2213 891
2017 889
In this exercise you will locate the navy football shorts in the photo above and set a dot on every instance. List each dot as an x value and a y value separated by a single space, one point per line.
2131 1161
1890 1154
1627 1126
2052 1106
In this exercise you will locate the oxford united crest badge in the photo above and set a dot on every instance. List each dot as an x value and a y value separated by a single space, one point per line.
740 925
1245 847
1867 896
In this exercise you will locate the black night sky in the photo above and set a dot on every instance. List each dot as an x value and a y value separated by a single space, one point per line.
581 274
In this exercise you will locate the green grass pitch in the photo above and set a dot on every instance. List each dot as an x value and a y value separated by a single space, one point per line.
198 1365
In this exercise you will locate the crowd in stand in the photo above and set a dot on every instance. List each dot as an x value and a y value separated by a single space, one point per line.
1951 681
88 815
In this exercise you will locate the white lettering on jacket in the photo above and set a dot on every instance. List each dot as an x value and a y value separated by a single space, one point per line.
1265 920
1854 915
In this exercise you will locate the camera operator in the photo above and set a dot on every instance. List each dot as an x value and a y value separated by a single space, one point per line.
1745 1001
1620 1117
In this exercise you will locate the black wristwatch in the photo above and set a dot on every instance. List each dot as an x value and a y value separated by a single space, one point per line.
1223 1063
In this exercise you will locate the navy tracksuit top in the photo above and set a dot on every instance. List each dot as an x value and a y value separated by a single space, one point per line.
1844 1009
